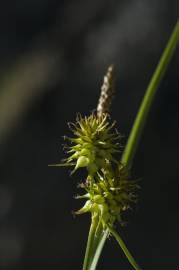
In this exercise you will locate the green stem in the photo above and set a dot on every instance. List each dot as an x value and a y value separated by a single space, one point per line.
96 234
99 247
142 114
124 248
90 242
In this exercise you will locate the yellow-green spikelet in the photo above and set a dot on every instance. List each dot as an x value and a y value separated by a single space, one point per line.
94 144
110 196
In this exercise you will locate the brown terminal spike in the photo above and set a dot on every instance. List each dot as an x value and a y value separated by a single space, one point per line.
107 92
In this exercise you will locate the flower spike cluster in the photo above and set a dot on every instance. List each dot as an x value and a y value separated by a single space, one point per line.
108 190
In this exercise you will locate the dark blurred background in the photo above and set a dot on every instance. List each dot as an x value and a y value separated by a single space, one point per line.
53 58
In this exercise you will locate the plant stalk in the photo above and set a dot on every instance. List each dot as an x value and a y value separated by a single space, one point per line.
124 248
90 242
140 120
99 247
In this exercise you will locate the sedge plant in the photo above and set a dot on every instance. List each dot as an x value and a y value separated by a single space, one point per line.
108 188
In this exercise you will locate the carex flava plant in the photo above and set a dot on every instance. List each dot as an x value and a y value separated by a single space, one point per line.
108 190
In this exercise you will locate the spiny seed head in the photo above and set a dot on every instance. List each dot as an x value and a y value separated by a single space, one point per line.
109 197
94 143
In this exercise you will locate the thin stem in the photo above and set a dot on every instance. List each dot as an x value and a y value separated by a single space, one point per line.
124 248
89 247
96 235
140 120
99 248
142 114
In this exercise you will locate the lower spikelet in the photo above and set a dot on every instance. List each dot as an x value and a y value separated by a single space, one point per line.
110 196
